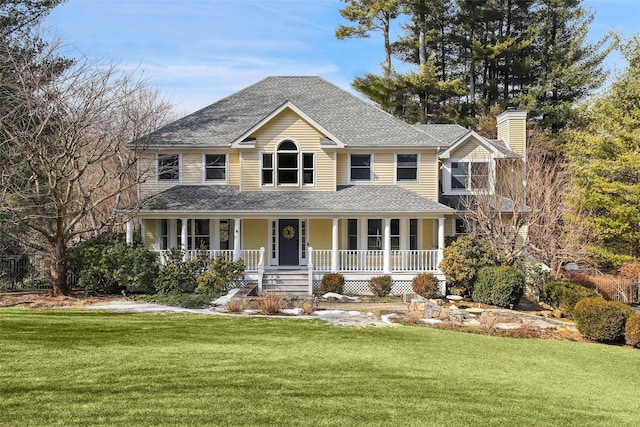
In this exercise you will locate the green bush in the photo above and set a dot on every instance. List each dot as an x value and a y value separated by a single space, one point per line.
380 285
632 330
218 274
425 285
107 265
501 286
462 259
601 320
179 276
194 300
564 295
332 282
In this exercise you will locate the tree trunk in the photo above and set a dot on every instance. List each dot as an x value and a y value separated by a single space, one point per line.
58 267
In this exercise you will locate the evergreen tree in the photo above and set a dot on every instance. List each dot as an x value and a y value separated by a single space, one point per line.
604 158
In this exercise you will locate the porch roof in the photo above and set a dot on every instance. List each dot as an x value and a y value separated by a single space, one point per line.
354 199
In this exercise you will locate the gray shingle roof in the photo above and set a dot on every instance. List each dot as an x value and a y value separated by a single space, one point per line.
461 203
502 147
357 199
350 119
447 134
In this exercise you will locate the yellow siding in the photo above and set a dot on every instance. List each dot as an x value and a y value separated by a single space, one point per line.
448 226
384 168
513 131
150 234
427 234
320 233
518 136
191 168
250 165
341 173
234 168
427 185
470 150
254 233
288 125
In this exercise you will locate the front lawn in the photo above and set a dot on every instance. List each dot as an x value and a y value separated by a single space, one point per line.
91 368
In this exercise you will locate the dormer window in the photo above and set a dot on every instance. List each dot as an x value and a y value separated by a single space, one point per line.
287 163
291 167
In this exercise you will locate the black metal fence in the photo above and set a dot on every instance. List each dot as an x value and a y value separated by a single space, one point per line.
27 271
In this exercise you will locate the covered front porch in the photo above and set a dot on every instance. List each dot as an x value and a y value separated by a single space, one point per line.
391 231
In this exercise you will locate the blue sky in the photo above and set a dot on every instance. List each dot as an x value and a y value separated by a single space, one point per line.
196 52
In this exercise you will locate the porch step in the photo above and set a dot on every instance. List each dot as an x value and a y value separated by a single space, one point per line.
290 282
246 290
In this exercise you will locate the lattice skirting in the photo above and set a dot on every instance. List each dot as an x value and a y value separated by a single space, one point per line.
241 283
361 287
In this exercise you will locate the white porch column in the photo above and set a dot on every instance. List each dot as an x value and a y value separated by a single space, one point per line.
184 237
130 232
387 246
335 255
236 239
440 239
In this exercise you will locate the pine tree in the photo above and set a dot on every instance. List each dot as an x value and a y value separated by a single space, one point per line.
604 158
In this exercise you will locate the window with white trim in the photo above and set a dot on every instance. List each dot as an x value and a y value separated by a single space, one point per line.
406 167
198 236
288 161
267 168
360 167
469 175
215 166
352 234
168 167
288 166
375 234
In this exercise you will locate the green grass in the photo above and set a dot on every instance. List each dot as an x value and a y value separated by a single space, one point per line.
91 368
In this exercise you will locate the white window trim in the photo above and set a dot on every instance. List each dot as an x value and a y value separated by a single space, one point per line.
315 168
446 176
167 181
412 181
226 169
273 168
361 181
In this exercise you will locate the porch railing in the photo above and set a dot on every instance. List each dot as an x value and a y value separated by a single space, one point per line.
373 260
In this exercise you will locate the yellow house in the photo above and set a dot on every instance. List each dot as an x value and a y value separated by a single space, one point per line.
299 178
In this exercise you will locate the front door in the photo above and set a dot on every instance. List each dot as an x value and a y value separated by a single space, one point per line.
288 242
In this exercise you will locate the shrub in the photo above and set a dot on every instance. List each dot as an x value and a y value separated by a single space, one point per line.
501 286
463 258
234 305
632 330
218 274
564 295
631 271
536 279
194 300
380 285
105 264
269 303
177 275
332 282
601 320
425 285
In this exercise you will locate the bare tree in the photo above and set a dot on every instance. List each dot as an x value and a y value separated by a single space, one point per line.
497 211
64 170
554 237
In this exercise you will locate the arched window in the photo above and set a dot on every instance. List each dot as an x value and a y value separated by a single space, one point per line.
288 163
